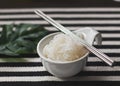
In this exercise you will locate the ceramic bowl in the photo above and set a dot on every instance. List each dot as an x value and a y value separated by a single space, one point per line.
60 69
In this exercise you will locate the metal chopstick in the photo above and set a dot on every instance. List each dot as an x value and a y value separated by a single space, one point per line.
92 49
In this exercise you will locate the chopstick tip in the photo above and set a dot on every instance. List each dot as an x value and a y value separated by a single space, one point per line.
113 64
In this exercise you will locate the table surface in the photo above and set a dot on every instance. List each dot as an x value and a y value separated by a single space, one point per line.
28 70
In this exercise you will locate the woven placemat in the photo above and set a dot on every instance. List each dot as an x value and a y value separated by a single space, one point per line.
28 71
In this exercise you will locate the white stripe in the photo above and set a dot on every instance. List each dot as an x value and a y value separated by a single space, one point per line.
38 69
52 78
22 69
110 50
89 21
61 9
32 59
32 79
108 28
110 42
101 68
94 59
61 16
111 35
62 22
101 28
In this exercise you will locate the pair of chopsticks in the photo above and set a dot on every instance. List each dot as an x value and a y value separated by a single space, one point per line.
92 49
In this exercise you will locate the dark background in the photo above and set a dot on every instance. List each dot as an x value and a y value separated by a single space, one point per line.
57 3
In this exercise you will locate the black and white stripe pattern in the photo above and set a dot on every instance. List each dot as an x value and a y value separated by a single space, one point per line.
30 71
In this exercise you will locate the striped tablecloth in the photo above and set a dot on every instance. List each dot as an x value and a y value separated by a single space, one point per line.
28 71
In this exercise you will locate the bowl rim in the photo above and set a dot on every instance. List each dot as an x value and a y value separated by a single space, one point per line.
52 61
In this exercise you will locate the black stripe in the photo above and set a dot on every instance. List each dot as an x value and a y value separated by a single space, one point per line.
32 64
20 64
41 73
63 12
113 31
61 83
97 63
111 39
109 54
99 73
107 46
45 73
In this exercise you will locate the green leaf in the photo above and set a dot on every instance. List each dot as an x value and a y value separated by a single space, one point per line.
20 39
7 52
3 37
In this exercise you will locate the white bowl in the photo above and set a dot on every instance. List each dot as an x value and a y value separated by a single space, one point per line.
60 69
